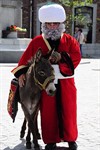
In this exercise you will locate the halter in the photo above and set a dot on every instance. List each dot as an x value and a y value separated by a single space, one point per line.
44 84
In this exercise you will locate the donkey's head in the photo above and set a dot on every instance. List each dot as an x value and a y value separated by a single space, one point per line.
43 74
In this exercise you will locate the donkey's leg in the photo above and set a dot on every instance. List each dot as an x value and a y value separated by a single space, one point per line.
36 126
36 135
36 131
31 125
33 130
23 128
28 139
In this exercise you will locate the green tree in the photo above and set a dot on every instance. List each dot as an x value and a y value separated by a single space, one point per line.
71 4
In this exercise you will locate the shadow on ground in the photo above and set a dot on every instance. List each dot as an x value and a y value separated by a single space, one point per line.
60 148
21 146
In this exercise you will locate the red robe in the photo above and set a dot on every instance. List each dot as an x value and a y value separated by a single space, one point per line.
68 95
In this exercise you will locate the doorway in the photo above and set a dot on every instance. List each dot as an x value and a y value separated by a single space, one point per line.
84 20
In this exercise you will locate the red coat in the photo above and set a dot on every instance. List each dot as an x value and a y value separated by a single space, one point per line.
68 95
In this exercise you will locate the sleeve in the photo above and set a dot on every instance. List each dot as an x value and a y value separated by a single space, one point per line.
74 52
71 58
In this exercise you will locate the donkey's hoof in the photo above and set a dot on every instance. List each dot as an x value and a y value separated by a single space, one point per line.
37 148
28 145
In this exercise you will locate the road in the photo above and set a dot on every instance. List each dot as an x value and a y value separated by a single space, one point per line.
87 79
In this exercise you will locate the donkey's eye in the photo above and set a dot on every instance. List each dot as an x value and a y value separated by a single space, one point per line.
42 73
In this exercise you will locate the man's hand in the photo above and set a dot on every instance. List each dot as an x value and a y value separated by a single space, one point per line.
21 80
55 57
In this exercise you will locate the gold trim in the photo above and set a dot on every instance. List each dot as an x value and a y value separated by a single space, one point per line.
18 68
47 43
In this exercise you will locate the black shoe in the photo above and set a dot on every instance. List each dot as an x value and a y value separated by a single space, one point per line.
72 145
51 146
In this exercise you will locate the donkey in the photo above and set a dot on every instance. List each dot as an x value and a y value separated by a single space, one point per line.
40 76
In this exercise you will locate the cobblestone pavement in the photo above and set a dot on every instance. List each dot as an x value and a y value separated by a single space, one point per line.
87 77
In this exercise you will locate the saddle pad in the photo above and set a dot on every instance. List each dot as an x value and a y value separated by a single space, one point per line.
12 105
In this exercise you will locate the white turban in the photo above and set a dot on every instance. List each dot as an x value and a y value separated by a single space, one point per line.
52 13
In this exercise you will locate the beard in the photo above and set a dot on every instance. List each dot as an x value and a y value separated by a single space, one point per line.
53 34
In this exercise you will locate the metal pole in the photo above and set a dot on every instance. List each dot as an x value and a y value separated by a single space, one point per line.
32 13
30 18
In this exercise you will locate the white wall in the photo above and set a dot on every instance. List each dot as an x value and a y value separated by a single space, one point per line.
10 13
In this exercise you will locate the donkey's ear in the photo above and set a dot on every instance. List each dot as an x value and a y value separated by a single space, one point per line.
38 55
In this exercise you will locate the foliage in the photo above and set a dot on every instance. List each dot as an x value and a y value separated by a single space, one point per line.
72 3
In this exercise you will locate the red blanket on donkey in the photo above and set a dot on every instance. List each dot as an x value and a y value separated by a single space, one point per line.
13 99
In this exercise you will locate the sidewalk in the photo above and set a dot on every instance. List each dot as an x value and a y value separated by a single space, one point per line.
87 78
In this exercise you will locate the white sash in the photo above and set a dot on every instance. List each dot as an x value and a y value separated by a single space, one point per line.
58 75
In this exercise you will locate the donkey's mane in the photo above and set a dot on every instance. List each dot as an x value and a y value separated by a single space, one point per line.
30 62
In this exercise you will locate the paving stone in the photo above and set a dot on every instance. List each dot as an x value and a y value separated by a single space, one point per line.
87 79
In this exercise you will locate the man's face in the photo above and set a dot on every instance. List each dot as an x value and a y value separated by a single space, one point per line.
52 25
76 29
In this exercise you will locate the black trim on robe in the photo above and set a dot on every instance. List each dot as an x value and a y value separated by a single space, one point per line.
20 72
65 58
59 109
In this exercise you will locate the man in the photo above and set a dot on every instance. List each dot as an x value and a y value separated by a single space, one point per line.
58 113
76 33
81 39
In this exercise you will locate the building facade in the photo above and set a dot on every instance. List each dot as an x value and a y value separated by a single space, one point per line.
24 13
10 14
91 13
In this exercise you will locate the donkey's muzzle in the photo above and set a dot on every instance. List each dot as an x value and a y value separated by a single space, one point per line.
52 93
51 89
